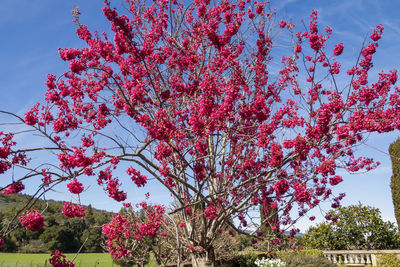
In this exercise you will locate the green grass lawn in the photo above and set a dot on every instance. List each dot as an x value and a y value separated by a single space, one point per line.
82 260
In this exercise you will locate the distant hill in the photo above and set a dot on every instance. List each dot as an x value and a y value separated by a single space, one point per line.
60 232
17 201
9 201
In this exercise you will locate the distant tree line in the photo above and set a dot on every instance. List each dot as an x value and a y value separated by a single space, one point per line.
353 227
61 233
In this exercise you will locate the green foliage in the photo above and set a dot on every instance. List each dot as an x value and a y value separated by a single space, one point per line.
356 227
309 252
247 259
394 151
57 237
304 258
91 239
10 244
299 260
34 246
388 260
60 232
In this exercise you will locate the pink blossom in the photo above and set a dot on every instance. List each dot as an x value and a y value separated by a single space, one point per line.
259 8
139 179
376 35
281 187
32 220
338 49
58 260
75 187
72 210
250 13
211 212
14 188
114 192
335 180
31 117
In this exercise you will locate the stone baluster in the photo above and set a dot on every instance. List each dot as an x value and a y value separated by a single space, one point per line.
368 259
346 258
357 258
334 256
352 258
329 257
363 256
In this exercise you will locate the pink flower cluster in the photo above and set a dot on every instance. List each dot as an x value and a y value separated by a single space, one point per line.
281 187
14 188
58 260
75 187
78 158
139 179
335 180
211 212
7 157
72 210
337 51
32 220
114 191
121 231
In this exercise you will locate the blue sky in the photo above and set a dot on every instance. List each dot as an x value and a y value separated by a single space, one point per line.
33 30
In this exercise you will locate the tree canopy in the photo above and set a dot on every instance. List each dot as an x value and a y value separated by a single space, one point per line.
394 152
353 227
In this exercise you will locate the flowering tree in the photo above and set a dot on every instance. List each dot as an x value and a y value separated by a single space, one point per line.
188 94
132 238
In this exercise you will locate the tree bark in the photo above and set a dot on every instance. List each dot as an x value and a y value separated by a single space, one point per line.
203 260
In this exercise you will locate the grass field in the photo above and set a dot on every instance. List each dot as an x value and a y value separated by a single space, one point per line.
36 260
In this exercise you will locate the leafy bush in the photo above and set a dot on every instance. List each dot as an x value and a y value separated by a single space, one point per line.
248 259
304 258
388 260
353 227
309 252
34 246
226 247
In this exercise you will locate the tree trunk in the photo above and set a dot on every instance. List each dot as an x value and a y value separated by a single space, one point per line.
203 260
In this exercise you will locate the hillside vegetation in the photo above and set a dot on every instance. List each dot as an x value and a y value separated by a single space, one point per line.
61 232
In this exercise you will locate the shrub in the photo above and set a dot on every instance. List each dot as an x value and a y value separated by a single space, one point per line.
388 260
248 259
34 246
304 258
309 252
226 247
353 227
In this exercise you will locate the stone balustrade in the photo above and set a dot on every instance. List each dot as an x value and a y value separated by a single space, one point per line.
356 257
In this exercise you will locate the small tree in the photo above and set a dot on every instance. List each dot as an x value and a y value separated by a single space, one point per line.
353 227
131 236
394 152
